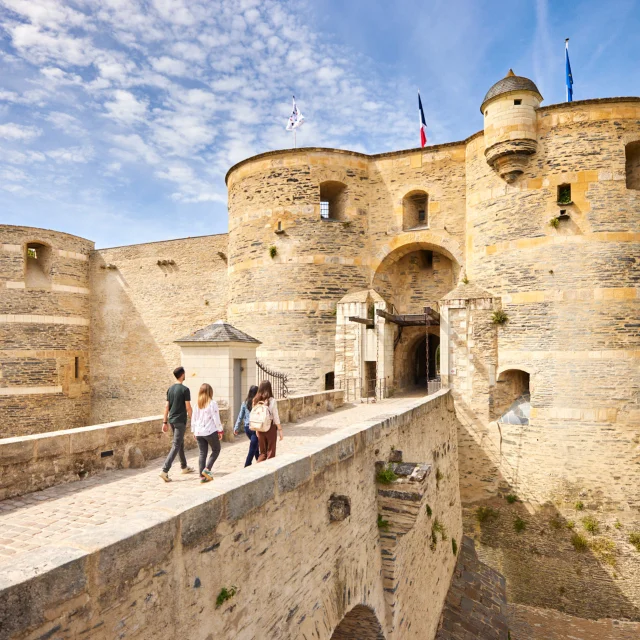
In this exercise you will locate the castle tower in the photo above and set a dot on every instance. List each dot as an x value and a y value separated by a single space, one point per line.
510 120
44 330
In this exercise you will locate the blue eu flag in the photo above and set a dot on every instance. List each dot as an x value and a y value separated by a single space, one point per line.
569 77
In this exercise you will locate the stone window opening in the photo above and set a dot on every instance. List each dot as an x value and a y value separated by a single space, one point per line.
329 381
517 102
512 400
414 210
37 266
632 165
564 194
333 200
76 367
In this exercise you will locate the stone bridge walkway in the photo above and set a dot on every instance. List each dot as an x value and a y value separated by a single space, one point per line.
48 517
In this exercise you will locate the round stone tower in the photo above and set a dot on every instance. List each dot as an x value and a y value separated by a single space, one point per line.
510 124
297 237
44 330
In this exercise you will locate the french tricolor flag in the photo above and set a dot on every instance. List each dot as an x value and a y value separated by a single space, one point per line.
423 123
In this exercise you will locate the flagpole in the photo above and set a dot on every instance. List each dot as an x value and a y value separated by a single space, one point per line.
566 48
295 141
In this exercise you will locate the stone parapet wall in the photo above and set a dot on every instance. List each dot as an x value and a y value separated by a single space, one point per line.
34 462
263 536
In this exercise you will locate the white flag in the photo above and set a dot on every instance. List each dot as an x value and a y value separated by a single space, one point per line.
296 118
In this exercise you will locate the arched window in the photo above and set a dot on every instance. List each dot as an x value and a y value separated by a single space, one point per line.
512 401
632 164
415 206
37 274
333 200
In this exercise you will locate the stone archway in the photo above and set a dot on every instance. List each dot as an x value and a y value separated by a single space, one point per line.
362 623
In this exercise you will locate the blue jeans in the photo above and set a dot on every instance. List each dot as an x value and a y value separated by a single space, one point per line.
253 446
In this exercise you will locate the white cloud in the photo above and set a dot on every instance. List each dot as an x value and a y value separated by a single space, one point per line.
125 107
170 66
13 131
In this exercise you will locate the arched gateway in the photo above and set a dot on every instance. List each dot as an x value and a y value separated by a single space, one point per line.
388 337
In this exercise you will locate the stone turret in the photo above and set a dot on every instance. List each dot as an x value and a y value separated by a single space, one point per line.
510 124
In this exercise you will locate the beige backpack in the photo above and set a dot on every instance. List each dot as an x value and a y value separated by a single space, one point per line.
260 417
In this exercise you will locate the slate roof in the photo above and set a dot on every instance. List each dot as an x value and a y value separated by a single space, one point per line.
219 331
511 82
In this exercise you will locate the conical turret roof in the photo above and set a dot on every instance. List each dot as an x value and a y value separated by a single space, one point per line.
511 82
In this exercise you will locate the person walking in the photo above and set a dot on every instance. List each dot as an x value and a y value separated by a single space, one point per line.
176 411
243 421
207 429
267 439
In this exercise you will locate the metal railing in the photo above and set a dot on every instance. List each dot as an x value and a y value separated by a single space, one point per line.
371 390
277 379
368 390
434 385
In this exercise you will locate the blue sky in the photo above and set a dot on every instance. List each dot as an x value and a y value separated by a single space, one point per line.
119 118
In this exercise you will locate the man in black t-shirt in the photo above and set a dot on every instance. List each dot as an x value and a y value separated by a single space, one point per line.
176 411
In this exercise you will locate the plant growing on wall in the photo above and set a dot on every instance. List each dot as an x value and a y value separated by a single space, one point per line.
383 524
429 511
591 525
386 475
579 542
634 539
484 514
273 251
438 527
511 498
224 595
439 477
554 222
519 524
499 317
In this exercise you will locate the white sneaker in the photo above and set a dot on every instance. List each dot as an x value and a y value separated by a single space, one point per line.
165 476
188 470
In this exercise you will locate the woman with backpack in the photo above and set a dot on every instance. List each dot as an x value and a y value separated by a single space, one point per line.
265 410
207 429
243 422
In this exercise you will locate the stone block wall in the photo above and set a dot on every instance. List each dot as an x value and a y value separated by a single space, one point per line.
44 331
139 308
262 545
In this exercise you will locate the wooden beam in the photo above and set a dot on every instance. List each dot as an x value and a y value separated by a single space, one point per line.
432 314
408 319
368 321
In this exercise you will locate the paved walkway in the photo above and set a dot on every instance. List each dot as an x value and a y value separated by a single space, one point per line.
44 518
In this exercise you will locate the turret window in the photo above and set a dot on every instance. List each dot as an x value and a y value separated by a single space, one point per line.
564 194
333 200
632 164
517 102
37 266
415 210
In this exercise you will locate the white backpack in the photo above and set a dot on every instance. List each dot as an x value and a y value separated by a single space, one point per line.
260 417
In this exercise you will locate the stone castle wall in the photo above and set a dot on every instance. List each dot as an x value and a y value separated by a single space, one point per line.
139 308
274 201
44 331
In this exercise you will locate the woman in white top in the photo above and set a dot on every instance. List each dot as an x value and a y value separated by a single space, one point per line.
207 429
267 439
